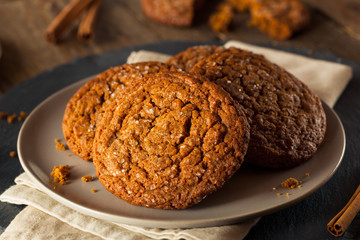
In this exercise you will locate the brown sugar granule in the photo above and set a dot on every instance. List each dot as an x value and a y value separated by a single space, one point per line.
93 190
3 115
61 174
59 145
12 154
87 178
290 183
222 18
11 118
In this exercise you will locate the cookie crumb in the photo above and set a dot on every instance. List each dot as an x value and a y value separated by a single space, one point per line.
290 183
87 178
93 190
61 174
307 174
3 115
12 154
11 118
221 20
23 114
279 194
59 145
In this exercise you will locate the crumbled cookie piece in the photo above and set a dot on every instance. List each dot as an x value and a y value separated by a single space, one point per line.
11 118
12 154
241 5
87 178
61 174
290 183
3 115
23 114
93 190
222 18
59 145
280 19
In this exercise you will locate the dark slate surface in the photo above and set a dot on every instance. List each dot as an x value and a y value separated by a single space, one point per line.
304 220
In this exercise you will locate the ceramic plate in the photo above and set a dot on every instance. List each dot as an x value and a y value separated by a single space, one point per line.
252 191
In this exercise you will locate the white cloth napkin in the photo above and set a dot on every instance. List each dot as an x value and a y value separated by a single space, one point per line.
45 218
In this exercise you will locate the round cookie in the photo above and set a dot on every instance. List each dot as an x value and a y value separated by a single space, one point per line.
287 120
179 13
185 60
84 110
171 142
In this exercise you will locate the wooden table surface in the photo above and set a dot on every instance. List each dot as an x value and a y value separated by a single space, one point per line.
121 23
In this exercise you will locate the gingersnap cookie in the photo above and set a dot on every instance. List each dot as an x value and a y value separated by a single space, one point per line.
179 13
84 110
280 19
185 60
286 118
171 142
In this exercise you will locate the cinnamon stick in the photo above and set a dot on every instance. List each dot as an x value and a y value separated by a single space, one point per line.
63 20
85 30
338 225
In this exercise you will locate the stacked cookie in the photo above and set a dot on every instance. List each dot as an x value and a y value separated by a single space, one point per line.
166 135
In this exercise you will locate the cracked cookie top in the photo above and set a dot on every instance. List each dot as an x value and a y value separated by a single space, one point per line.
286 118
185 60
84 110
170 142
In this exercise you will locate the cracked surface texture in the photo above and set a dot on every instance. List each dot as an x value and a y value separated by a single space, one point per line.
171 142
287 120
85 109
185 60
